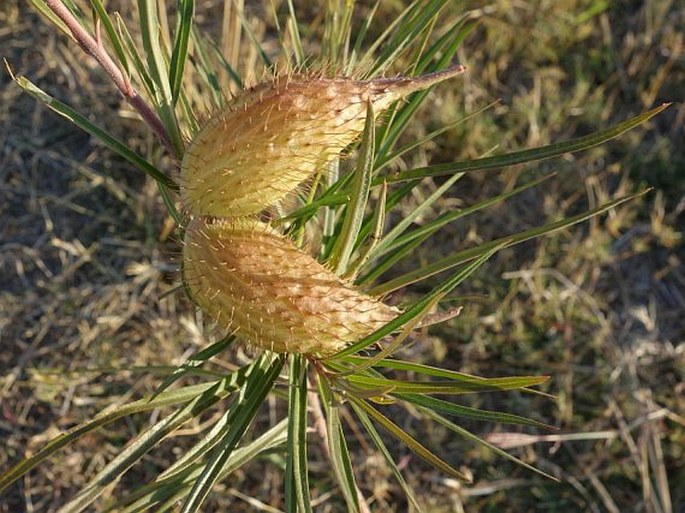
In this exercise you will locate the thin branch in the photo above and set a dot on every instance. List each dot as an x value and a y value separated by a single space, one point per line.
95 49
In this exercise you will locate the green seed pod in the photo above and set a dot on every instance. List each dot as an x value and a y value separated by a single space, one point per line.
252 280
274 136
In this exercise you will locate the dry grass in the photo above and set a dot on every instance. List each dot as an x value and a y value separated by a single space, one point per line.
88 282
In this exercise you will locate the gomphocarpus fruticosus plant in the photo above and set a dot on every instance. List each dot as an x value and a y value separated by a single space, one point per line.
299 303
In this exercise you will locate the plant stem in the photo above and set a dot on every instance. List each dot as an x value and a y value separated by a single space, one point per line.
95 49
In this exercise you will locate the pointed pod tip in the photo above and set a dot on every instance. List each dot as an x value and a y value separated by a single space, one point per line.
402 86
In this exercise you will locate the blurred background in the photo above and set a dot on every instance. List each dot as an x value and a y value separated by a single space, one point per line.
89 299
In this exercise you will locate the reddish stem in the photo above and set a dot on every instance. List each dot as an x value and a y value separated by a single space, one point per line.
91 46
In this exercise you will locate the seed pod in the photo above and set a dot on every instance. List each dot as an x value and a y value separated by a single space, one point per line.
250 279
276 135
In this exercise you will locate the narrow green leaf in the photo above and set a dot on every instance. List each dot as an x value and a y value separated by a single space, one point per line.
339 453
259 382
392 201
381 162
470 436
378 223
431 227
268 64
446 387
405 244
145 441
417 307
114 38
391 258
439 372
398 340
295 35
341 460
466 255
172 487
204 66
132 50
355 211
306 212
230 70
296 474
82 122
524 156
43 9
184 23
398 120
169 203
196 360
359 40
410 442
408 32
467 412
157 68
148 403
409 218
380 445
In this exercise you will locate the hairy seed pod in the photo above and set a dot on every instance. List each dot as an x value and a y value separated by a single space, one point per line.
276 135
248 278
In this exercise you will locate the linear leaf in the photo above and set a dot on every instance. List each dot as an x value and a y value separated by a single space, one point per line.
230 70
410 442
184 23
405 244
295 34
466 255
42 8
408 32
148 403
384 161
446 387
380 445
82 122
173 487
145 441
447 47
467 412
524 156
470 436
417 307
378 224
196 360
204 66
439 372
398 340
114 38
259 382
339 453
296 475
157 68
356 208
409 218
137 60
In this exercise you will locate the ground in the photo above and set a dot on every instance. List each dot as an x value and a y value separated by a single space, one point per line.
89 296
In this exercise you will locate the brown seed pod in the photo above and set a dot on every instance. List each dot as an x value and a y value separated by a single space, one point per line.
276 135
248 278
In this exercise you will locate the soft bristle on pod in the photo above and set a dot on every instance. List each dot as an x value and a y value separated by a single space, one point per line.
247 277
242 273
